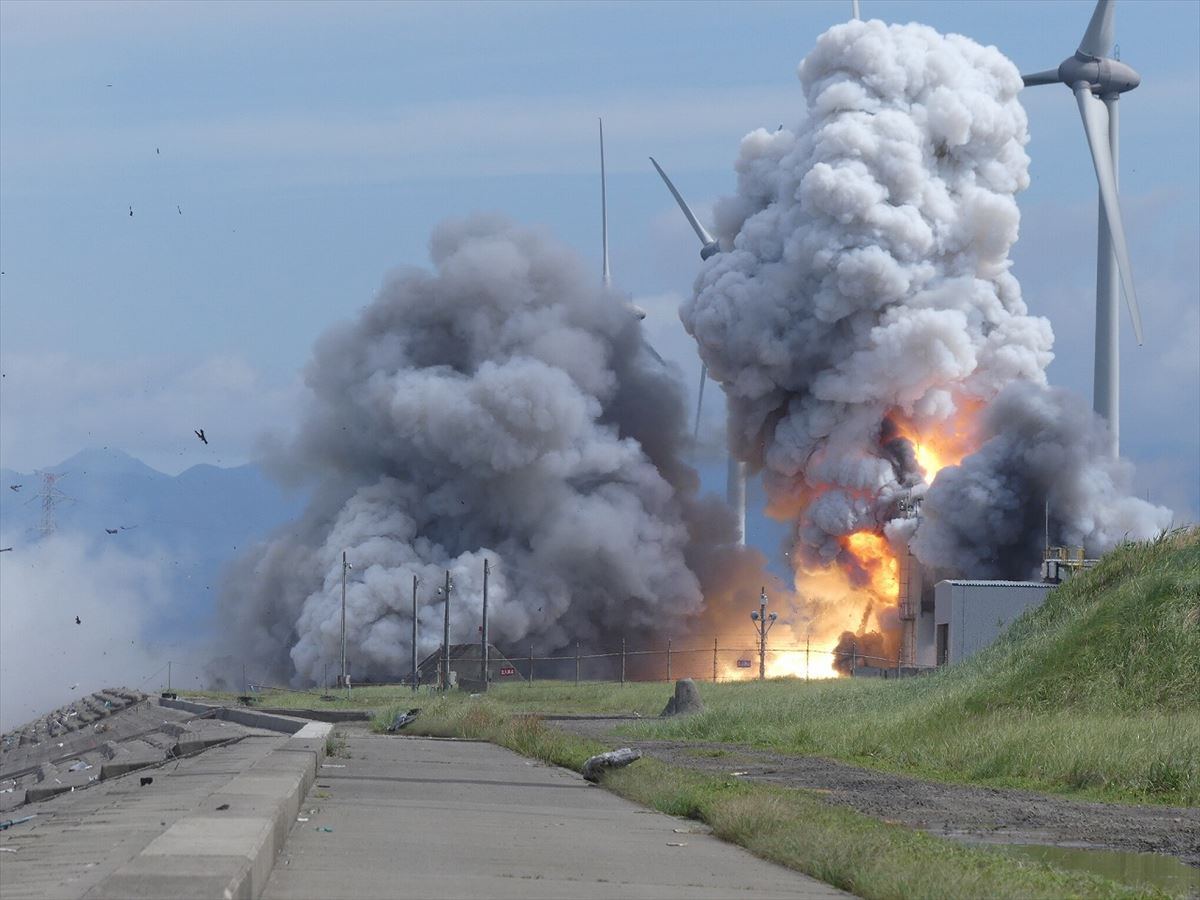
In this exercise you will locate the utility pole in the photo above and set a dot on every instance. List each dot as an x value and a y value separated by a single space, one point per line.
714 660
622 660
446 638
483 648
345 568
668 659
414 635
577 663
168 676
763 624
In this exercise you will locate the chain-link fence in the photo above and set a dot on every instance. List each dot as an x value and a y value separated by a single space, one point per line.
709 663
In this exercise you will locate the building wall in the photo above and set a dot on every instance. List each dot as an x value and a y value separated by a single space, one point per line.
974 613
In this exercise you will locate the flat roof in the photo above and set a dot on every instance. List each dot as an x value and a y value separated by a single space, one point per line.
1028 584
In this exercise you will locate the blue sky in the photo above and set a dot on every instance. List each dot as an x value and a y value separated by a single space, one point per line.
312 146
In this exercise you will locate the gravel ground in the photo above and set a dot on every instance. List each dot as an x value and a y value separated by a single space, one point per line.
977 814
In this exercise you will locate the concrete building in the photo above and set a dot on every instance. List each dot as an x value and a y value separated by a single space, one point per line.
970 615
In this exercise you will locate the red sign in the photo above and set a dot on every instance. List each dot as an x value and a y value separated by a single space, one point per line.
507 670
744 663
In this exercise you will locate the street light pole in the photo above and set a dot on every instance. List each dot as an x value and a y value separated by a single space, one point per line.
763 624
345 568
446 638
483 649
414 635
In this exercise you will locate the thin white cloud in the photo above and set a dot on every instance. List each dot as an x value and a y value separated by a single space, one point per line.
55 405
485 136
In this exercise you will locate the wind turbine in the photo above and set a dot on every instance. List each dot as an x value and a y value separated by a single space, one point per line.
1098 80
735 471
637 311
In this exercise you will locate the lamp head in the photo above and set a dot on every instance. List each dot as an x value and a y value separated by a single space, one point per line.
754 616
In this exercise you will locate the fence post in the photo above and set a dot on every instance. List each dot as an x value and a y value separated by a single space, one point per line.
577 663
622 660
531 663
714 660
897 665
668 659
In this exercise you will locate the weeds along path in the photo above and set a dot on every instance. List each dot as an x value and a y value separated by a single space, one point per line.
984 814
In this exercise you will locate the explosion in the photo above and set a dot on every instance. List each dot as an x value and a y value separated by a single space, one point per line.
883 371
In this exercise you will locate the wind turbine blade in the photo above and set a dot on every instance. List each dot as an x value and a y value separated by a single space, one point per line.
1095 125
855 13
705 237
1098 39
700 399
604 209
653 352
1050 76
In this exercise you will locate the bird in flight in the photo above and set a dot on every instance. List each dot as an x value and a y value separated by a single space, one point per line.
200 434
14 487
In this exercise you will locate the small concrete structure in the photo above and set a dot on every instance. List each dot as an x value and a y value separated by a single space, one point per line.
686 699
970 615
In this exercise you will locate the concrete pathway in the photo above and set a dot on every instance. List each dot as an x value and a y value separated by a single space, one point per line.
418 818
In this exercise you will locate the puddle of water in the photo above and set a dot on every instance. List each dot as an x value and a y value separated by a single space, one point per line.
1152 869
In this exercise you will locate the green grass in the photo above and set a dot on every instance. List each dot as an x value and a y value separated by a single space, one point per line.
795 828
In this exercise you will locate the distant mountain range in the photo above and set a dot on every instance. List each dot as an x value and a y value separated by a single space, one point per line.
191 524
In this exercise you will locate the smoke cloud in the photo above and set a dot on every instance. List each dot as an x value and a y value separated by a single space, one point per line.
502 406
864 311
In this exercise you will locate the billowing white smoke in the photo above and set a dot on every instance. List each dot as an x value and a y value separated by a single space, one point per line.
866 283
503 406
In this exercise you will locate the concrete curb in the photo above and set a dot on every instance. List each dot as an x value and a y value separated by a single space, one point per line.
229 853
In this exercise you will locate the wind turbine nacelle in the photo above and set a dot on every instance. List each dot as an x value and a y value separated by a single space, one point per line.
710 249
1103 76
636 311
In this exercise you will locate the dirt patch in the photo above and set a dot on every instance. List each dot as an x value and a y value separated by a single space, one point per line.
975 814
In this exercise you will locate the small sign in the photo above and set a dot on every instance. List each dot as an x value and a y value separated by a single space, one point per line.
744 664
507 670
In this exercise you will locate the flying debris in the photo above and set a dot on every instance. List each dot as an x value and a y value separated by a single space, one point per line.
14 487
200 434
131 210
128 527
110 531
156 151
5 549
78 621
179 209
75 685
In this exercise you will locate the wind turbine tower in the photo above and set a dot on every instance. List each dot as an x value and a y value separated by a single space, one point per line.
735 471
1097 81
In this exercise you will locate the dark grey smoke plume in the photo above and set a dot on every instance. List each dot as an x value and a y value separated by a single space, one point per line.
1040 446
866 284
502 406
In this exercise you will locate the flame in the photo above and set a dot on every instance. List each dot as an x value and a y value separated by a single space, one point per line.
834 599
942 445
875 555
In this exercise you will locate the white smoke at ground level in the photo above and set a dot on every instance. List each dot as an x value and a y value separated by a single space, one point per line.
46 659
